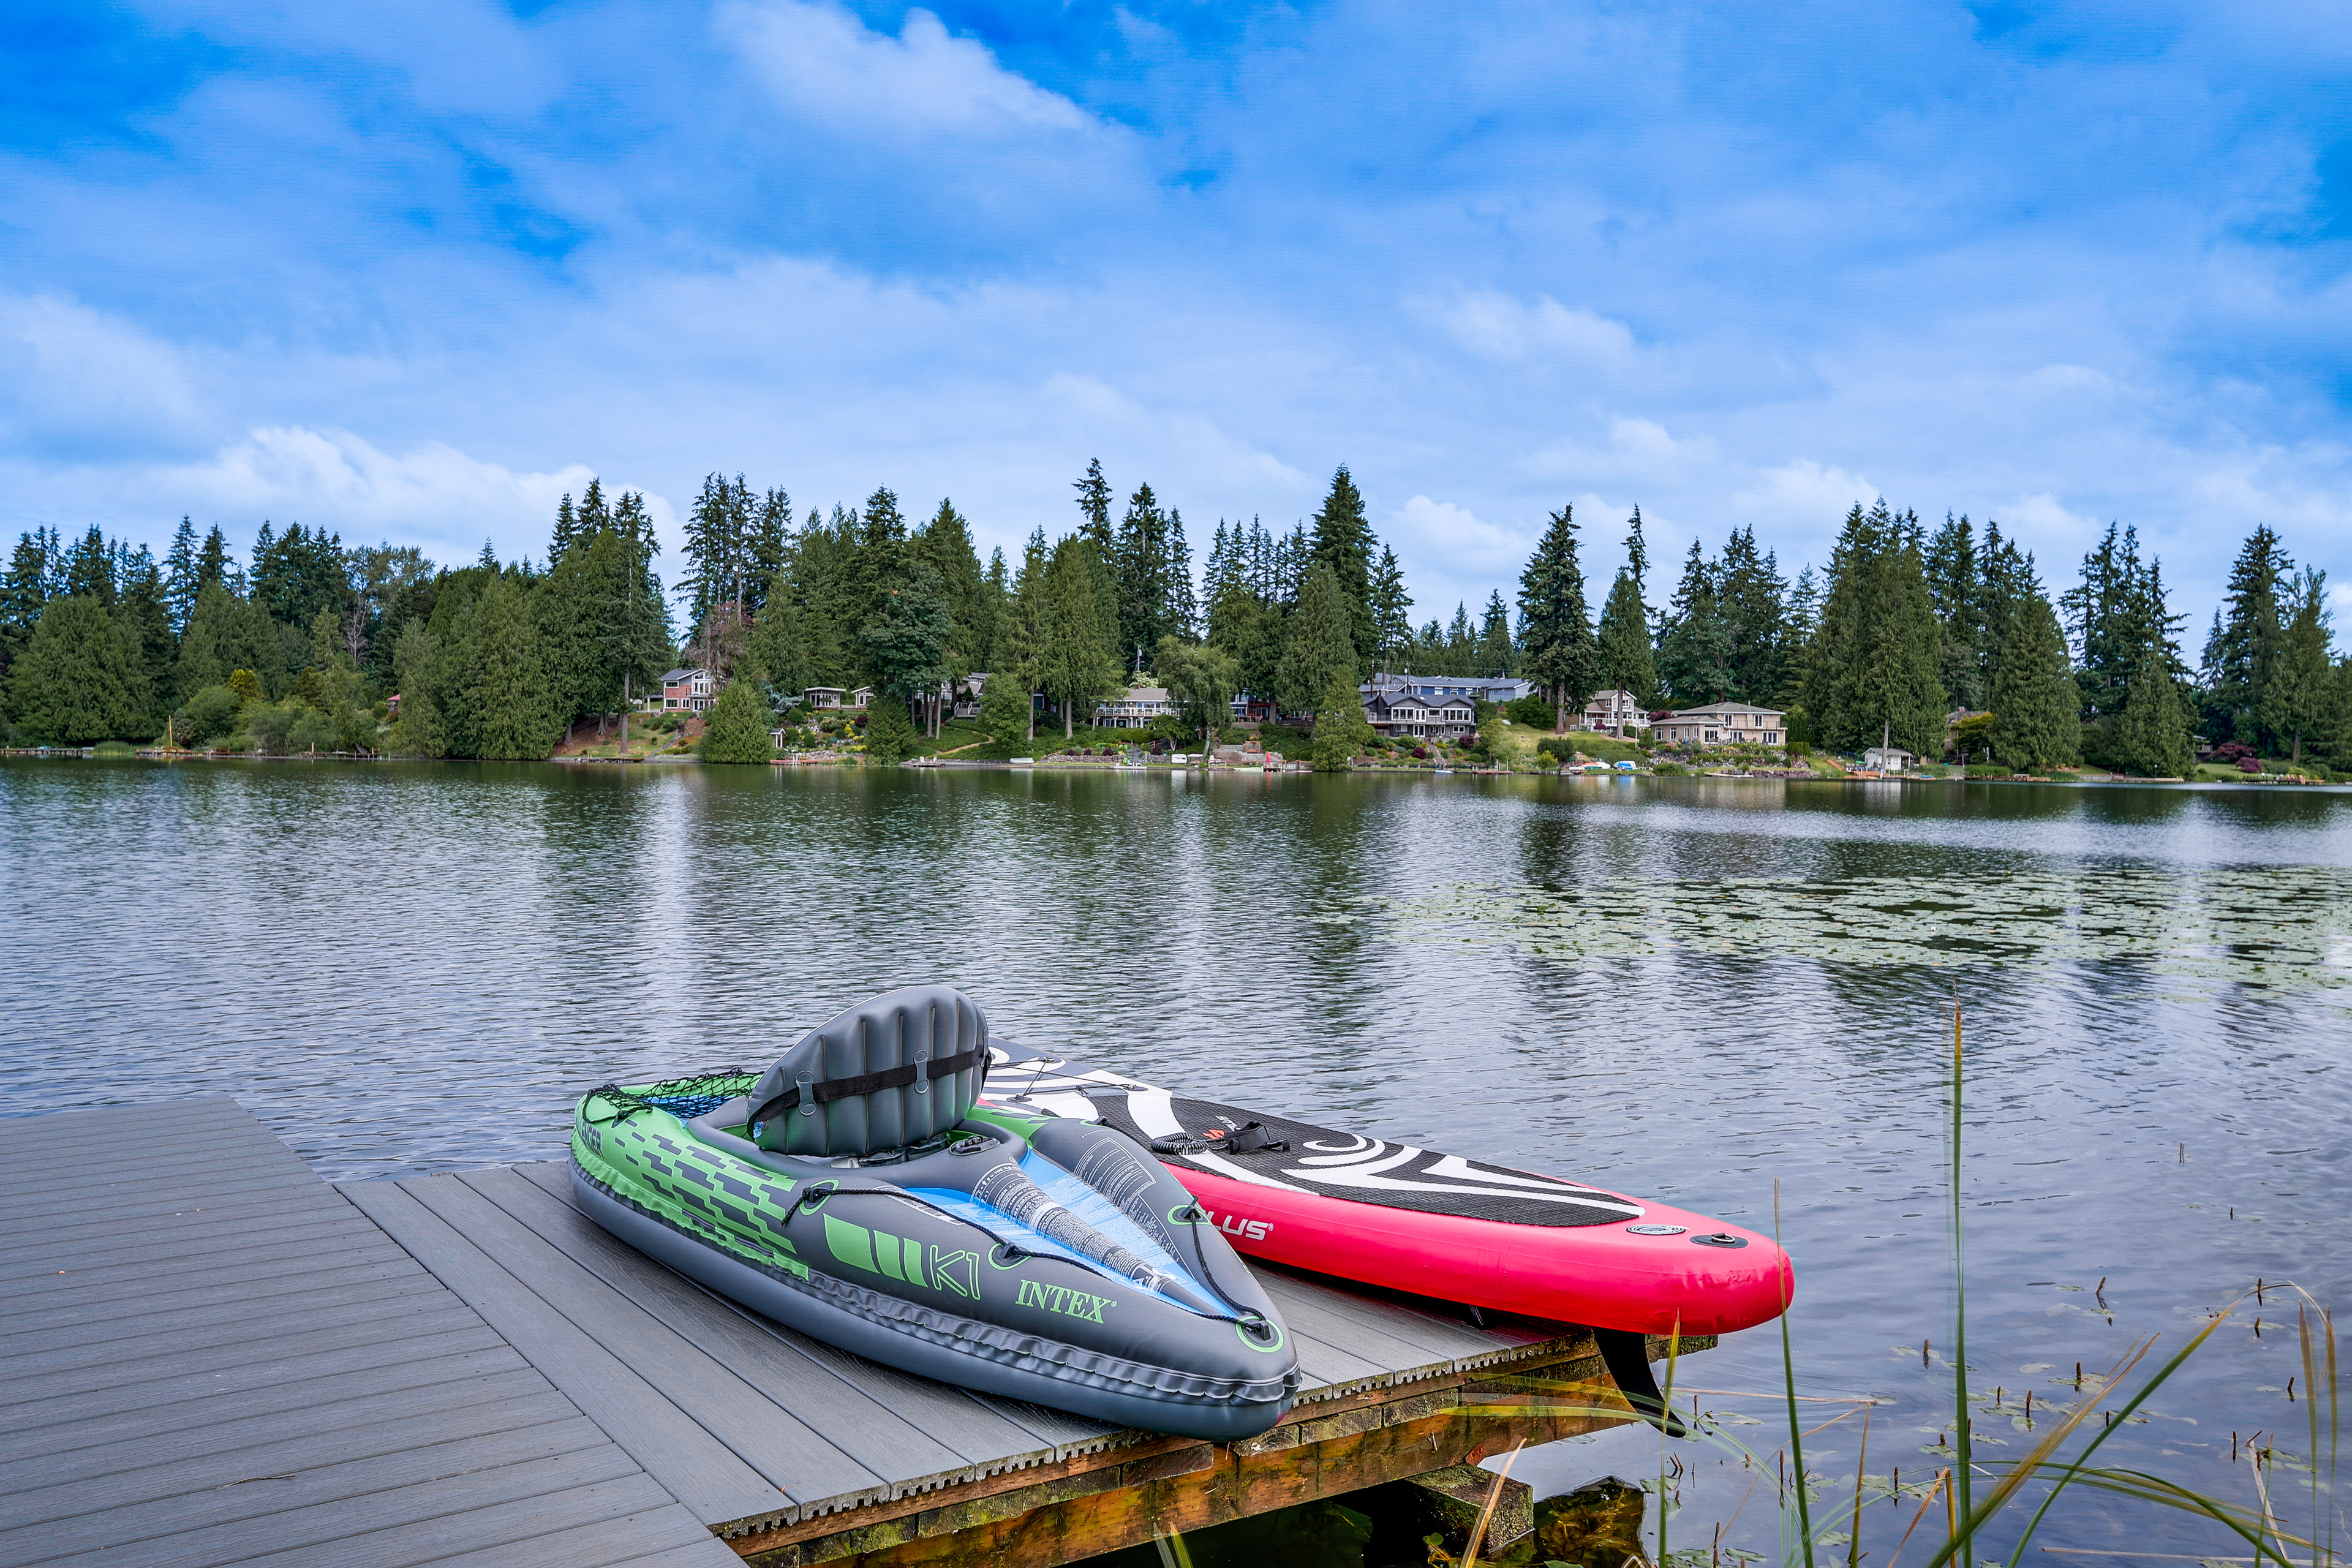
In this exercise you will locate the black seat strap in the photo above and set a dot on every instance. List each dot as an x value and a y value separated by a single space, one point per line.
898 1077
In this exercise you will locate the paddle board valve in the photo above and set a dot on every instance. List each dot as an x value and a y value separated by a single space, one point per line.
1721 1238
812 1196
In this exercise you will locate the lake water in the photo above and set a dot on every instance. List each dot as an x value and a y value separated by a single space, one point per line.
1686 989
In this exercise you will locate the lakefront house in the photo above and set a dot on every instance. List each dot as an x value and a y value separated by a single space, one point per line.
1615 712
1722 724
1400 711
690 690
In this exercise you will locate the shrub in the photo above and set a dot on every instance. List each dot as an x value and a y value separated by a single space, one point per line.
1536 711
2249 764
1670 768
211 711
271 724
310 731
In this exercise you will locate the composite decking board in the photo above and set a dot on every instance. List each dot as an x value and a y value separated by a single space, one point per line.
159 1362
480 1368
1323 1365
162 1334
94 1237
884 1447
172 1459
428 1508
1437 1340
793 1457
97 1320
32 1146
1333 1321
505 1533
33 1216
66 1289
182 1245
666 1537
701 1471
975 1432
293 1480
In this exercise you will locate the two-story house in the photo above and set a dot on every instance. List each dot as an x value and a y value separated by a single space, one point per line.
1722 724
1400 711
1615 712
691 689
1134 709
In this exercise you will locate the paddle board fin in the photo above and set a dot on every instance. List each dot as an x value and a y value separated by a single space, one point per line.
1627 1356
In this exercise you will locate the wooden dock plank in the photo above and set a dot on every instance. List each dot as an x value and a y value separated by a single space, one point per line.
229 1359
974 1429
777 1444
700 1470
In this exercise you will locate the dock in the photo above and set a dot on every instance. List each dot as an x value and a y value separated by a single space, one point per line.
215 1357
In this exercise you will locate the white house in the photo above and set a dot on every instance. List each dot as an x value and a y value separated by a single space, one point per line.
1615 712
1887 759
1134 709
1722 724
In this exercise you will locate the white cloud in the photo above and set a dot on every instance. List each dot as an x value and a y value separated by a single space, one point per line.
1495 325
434 495
1802 493
79 382
1435 531
824 61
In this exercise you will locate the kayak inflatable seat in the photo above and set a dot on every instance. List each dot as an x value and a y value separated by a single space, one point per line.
850 1192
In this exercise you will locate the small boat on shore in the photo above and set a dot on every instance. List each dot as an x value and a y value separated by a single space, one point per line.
851 1192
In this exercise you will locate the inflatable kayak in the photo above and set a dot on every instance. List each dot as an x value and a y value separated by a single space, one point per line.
850 1193
1386 1213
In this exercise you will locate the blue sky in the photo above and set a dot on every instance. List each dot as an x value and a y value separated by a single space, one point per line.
411 270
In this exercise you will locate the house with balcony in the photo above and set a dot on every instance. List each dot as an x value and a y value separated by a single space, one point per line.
1134 709
690 690
1722 724
1401 712
1616 712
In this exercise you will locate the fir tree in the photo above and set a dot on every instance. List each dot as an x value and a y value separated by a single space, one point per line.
716 537
1626 661
1093 506
2036 719
1392 624
1695 644
415 661
2298 695
89 569
180 581
945 545
1871 676
889 731
1751 599
2247 634
213 563
1957 591
1007 710
224 633
144 616
2150 735
1498 653
1558 648
905 640
2126 657
77 679
1342 545
741 726
1075 664
1340 732
766 549
502 711
567 529
1317 650
24 594
1021 638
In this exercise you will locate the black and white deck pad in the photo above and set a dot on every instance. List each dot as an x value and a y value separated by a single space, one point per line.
1276 1152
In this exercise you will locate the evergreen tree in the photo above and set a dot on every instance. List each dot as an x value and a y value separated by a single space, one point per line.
2298 697
873 549
567 529
1340 732
180 582
1460 654
24 594
1075 665
1021 641
1392 624
889 731
417 660
594 515
995 596
2007 581
1626 663
2036 718
1871 676
583 607
1317 650
224 633
89 569
2247 634
1007 710
741 725
77 679
297 573
213 563
1695 644
766 549
1093 506
2150 734
501 711
1558 650
717 534
945 545
1751 599
1498 654
905 640
1342 545
1138 562
1956 590
2126 654
1182 618
144 616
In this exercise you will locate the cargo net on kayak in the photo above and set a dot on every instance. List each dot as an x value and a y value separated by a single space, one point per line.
687 1098
1305 1158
